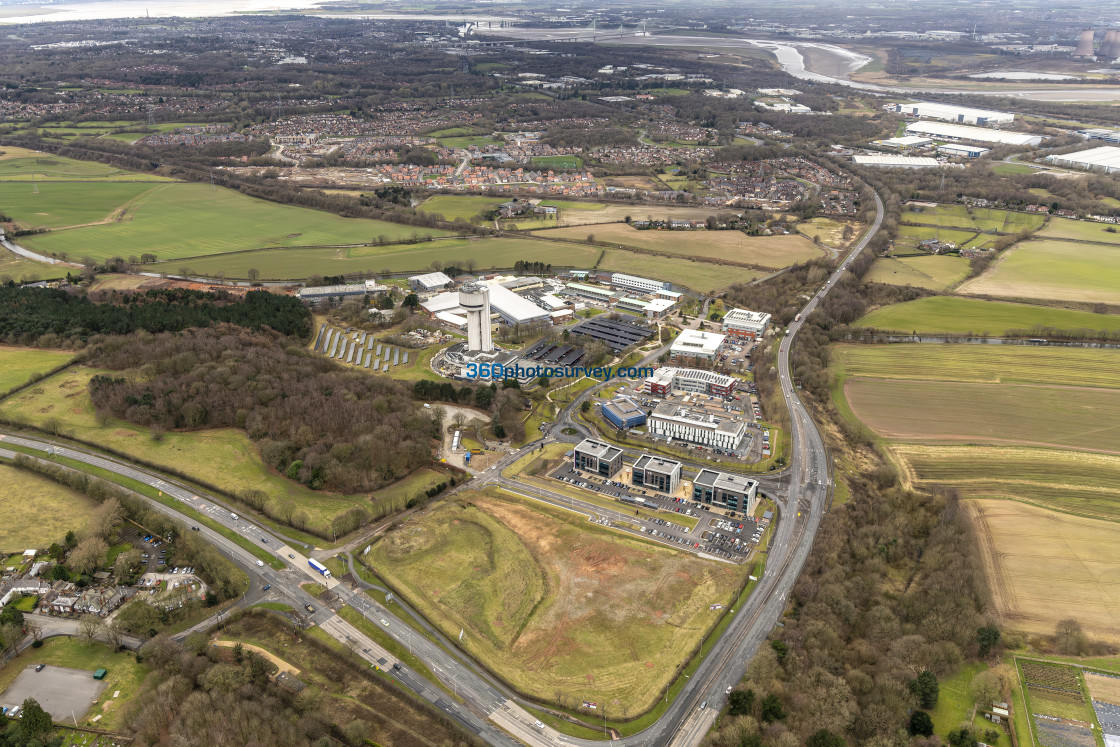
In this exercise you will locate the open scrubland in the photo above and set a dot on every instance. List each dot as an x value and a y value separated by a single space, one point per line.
1054 270
729 246
958 316
179 220
931 271
292 264
564 610
37 511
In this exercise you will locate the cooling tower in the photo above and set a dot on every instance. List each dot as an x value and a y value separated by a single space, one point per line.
1085 44
1110 47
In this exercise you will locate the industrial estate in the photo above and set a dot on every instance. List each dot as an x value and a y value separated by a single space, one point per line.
504 373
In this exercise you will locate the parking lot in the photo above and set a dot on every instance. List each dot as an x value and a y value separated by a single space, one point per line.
59 690
716 532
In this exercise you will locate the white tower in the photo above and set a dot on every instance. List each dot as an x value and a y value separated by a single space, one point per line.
475 300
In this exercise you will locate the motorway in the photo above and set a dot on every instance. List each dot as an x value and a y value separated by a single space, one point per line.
482 707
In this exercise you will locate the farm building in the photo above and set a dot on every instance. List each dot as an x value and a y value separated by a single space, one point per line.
1105 159
950 113
598 457
657 473
734 492
952 131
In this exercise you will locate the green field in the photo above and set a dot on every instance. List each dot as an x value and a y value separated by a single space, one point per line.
980 219
185 220
729 246
910 236
62 401
27 270
21 164
37 511
1056 270
18 365
699 276
467 141
496 253
459 206
1012 168
555 605
931 271
558 162
951 315
124 675
1065 228
60 204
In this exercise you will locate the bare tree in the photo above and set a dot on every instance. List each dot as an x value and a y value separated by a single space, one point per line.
113 635
254 273
89 627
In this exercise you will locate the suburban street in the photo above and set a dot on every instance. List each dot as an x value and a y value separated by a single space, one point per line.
486 709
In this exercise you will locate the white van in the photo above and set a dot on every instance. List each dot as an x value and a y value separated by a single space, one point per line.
260 564
233 516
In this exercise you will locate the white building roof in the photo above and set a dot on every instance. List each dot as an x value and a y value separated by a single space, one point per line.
512 306
1106 158
658 305
908 141
456 320
975 134
431 280
951 112
695 342
742 318
552 301
909 162
442 302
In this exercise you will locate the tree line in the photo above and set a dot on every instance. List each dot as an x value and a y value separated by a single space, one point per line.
28 314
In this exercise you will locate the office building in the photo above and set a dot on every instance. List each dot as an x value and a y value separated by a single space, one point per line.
734 492
624 413
667 380
633 282
656 472
745 325
694 346
679 422
598 457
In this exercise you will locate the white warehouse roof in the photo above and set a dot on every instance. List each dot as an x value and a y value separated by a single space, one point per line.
431 280
1105 158
905 162
696 343
951 113
513 307
975 134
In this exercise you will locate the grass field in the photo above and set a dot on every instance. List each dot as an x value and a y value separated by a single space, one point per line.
18 365
554 605
954 412
1058 270
829 231
909 237
1065 228
21 164
61 204
27 270
699 276
949 315
1012 168
63 399
590 213
558 162
37 511
980 219
932 271
733 246
124 675
287 264
467 141
183 220
1074 367
459 206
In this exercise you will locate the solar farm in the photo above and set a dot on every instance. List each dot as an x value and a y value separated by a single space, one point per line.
358 349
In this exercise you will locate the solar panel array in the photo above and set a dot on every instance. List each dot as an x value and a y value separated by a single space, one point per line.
356 348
